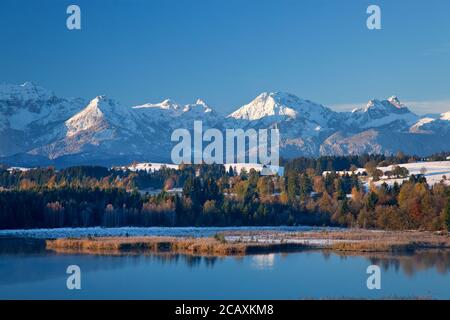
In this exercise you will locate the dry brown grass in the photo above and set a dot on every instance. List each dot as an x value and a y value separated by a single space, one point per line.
345 241
365 246
197 246
380 241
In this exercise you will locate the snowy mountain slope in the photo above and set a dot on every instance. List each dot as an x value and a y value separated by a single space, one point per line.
103 126
303 124
437 124
175 116
31 115
104 129
375 141
445 116
378 113
101 114
28 104
277 106
268 105
418 125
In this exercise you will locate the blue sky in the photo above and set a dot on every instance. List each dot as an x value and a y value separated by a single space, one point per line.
226 52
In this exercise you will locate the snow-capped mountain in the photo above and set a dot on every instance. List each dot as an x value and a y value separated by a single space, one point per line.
28 104
31 115
378 113
102 122
174 115
278 106
302 123
38 127
106 129
101 114
385 127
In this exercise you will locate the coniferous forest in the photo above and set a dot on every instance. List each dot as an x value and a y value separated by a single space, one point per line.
210 195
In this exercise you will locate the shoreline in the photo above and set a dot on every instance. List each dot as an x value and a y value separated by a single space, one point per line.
85 232
247 243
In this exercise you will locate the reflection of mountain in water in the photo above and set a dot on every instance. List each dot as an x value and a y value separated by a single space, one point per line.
413 262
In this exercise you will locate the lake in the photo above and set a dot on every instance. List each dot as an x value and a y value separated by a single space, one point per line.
29 271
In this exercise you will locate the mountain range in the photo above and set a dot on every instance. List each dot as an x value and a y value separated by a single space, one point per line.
39 128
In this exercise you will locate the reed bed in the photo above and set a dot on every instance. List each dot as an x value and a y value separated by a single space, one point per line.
345 241
199 246
383 241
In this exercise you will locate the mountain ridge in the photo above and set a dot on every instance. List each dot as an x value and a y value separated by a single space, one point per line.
36 123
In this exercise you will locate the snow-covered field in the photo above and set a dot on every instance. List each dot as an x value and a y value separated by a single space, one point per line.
434 172
18 169
151 167
153 231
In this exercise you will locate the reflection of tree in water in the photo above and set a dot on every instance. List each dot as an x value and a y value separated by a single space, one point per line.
326 255
23 246
14 246
210 261
190 260
28 261
193 261
411 263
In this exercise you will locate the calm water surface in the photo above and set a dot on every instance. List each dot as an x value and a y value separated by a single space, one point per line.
27 270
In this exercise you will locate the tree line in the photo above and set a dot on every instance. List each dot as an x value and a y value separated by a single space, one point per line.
211 195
